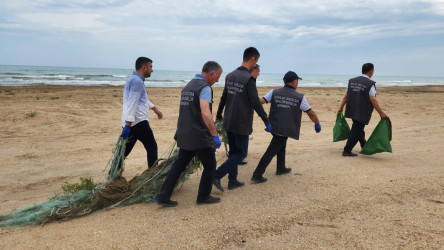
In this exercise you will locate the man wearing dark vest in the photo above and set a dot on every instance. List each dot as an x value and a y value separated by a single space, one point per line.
360 98
285 117
196 136
240 99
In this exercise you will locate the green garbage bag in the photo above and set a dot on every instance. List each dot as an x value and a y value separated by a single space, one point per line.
380 139
341 130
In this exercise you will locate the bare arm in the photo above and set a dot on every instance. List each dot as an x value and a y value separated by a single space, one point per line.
378 109
208 117
344 100
158 113
313 117
263 100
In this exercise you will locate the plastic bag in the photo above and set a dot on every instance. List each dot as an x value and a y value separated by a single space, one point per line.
341 130
380 139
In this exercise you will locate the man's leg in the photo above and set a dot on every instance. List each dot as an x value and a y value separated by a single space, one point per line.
173 175
362 140
276 144
356 133
208 158
146 136
241 153
280 158
234 151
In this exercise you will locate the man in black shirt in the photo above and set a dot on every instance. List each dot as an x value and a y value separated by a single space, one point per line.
240 99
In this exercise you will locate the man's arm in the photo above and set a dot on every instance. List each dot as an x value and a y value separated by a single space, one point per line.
208 117
135 92
255 102
263 100
378 109
313 117
158 113
344 100
223 100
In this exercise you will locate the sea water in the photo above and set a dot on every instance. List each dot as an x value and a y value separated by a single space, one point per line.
44 75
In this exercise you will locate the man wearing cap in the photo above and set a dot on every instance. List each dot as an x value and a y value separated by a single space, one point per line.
196 136
360 97
135 111
285 117
240 99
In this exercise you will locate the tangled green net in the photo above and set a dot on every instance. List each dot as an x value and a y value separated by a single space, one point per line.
116 191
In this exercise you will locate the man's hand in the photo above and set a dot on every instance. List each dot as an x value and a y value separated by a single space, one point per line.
217 141
158 113
125 132
318 127
340 111
384 116
268 129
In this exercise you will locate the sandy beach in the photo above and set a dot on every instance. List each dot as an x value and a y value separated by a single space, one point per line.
56 134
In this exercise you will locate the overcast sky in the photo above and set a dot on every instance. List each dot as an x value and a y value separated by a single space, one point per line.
311 37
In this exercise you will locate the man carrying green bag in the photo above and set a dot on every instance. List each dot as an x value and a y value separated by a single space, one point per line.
380 139
361 100
341 130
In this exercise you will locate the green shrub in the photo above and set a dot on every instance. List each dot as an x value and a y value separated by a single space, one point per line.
85 184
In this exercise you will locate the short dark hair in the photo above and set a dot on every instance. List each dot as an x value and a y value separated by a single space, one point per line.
256 66
211 66
367 67
251 52
142 61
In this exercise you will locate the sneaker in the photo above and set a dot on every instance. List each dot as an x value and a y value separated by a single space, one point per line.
283 171
259 179
235 184
209 200
348 154
168 203
216 183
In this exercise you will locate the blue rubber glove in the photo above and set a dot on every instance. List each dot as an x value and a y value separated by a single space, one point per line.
217 141
318 127
126 132
268 129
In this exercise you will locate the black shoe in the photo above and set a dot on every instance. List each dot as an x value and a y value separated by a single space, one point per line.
168 203
210 200
283 171
243 163
348 154
216 183
234 184
259 179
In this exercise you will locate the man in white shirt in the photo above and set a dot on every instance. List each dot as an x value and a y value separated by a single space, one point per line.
360 98
135 111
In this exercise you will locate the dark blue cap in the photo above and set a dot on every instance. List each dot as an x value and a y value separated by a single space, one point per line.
291 76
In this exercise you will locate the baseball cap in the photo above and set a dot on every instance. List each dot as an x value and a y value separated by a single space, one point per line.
291 76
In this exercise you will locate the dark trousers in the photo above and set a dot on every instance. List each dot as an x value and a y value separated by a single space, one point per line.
208 158
356 134
277 147
238 151
142 132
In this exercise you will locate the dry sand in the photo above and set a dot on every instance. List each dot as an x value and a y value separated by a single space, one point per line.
328 201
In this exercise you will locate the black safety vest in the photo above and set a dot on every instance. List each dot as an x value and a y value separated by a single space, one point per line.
238 115
358 106
285 112
192 133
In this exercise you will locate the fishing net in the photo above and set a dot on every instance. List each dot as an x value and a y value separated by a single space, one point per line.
116 191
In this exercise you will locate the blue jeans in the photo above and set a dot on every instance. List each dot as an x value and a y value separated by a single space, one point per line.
238 151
